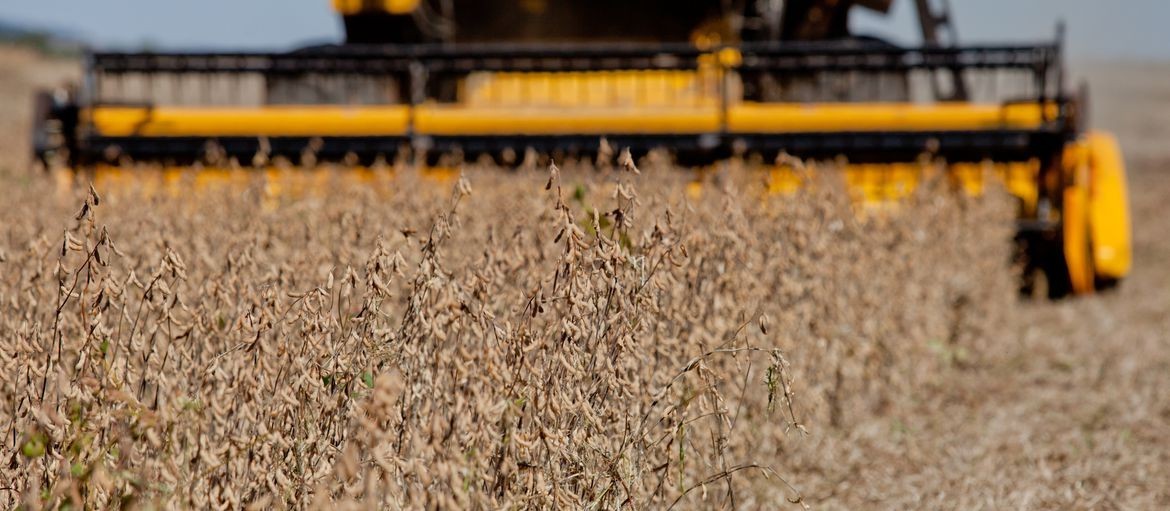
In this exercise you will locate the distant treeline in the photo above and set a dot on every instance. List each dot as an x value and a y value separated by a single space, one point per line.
44 41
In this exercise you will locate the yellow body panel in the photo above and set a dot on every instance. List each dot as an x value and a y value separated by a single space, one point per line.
1109 222
272 121
1076 240
459 120
831 117
350 7
883 183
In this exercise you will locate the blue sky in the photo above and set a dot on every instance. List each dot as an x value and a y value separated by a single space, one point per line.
1130 29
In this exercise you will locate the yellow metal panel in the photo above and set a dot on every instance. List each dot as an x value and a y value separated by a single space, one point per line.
273 121
703 118
511 120
1022 181
1109 222
349 7
828 117
786 179
1075 219
884 183
458 120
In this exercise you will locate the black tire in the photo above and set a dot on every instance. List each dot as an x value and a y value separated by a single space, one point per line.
1056 272
1045 271
1106 284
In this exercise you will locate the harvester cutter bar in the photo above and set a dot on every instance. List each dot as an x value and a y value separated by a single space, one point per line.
893 147
189 150
863 147
416 67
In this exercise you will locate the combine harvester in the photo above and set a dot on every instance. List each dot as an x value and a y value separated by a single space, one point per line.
708 80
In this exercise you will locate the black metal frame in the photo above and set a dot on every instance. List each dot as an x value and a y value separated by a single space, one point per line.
789 56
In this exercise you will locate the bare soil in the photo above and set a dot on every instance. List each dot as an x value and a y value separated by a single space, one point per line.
1074 412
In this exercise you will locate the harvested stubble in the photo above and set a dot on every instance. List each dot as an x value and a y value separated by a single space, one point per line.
507 347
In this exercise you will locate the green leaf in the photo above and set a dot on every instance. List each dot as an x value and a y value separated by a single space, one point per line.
34 447
191 404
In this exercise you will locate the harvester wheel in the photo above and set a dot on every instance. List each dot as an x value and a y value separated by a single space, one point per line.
1095 242
1076 235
